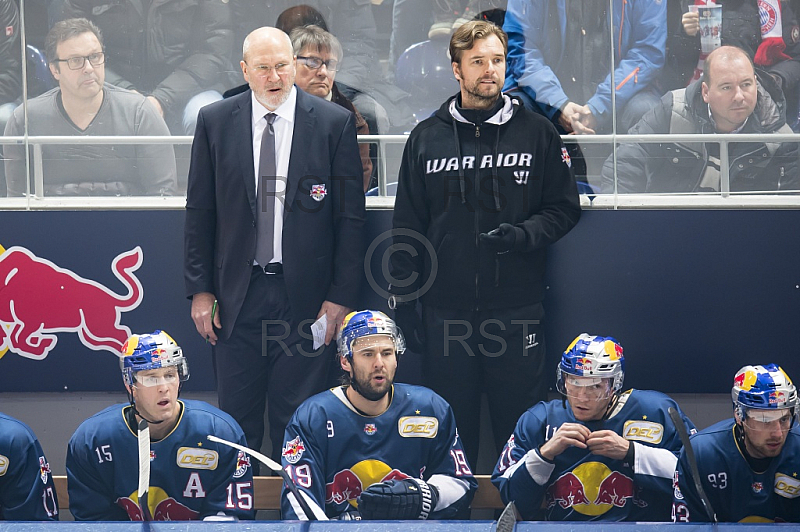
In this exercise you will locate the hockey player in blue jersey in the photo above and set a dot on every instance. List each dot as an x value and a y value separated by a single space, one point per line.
372 449
190 477
26 484
597 454
749 465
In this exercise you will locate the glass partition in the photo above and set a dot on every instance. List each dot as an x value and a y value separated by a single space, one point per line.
107 105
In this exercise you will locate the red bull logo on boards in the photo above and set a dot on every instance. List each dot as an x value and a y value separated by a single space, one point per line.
591 489
39 299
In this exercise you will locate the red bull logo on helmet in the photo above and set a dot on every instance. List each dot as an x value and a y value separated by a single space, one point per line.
293 450
39 299
777 398
583 364
347 484
591 489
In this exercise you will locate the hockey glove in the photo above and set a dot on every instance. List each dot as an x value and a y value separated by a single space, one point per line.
405 499
409 321
505 238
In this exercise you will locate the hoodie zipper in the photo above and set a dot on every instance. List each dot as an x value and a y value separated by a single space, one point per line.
634 75
477 211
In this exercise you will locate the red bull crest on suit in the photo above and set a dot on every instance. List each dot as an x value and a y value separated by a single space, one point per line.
348 484
162 507
39 299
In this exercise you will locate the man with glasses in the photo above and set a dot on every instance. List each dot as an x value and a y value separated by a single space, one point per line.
596 454
190 477
318 55
83 105
273 237
749 465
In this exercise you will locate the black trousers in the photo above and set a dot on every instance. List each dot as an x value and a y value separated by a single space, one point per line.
500 352
267 361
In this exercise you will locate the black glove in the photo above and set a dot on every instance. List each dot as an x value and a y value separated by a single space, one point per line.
409 321
505 238
409 498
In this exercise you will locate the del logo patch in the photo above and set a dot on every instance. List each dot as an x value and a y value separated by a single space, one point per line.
787 486
646 431
195 458
418 427
3 465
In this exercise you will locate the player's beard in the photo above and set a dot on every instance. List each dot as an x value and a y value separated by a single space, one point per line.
365 388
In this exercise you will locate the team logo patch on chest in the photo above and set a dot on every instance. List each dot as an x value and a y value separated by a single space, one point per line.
418 427
646 431
318 192
370 429
195 458
786 486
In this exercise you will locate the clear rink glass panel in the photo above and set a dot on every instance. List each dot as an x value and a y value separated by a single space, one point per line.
597 69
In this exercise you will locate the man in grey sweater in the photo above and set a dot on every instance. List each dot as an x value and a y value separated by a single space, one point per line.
83 105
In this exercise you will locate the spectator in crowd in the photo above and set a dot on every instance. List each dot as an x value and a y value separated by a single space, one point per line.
774 45
487 183
414 21
27 492
747 465
596 454
10 69
172 51
319 55
273 237
398 442
559 57
731 97
360 77
191 478
84 105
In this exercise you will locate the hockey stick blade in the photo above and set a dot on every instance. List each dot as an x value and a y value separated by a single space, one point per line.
144 469
310 507
508 519
687 446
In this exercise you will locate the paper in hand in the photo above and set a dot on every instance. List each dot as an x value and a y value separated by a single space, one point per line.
318 330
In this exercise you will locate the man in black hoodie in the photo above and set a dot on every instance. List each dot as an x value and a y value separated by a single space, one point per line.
485 185
732 97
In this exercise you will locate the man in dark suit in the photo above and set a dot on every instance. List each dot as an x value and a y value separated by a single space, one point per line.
265 258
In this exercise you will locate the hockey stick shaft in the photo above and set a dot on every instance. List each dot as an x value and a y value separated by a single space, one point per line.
690 458
312 510
144 469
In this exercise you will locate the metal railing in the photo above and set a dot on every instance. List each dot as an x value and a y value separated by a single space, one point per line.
36 198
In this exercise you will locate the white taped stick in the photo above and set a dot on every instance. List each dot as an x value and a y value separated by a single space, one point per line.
144 469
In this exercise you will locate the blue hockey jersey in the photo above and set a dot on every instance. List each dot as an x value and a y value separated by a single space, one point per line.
736 492
26 484
581 486
333 452
190 476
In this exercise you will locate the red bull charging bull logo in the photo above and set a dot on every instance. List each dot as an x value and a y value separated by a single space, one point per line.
293 450
348 484
591 489
162 507
39 299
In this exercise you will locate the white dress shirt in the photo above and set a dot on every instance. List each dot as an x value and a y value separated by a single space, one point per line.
284 131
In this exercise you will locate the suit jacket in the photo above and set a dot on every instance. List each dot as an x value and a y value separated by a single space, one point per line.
323 248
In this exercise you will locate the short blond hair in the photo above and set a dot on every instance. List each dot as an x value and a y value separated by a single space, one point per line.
465 36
